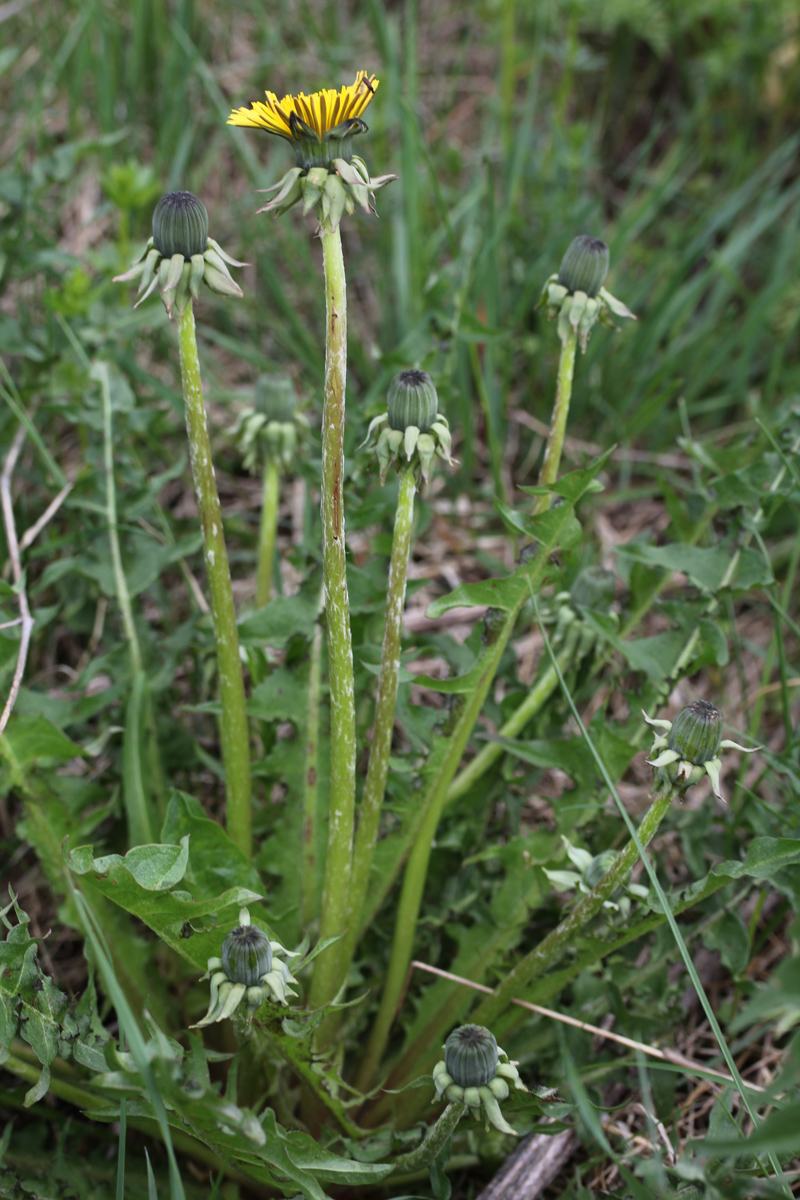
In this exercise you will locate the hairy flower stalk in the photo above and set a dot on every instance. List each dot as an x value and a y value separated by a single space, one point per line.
233 715
412 433
575 296
330 180
378 769
436 1139
336 885
268 532
180 258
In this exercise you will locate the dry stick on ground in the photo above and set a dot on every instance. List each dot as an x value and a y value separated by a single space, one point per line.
26 620
30 535
532 1166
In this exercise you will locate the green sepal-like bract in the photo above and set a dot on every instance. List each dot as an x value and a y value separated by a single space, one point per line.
473 1054
180 256
696 731
328 189
576 296
411 431
274 427
250 969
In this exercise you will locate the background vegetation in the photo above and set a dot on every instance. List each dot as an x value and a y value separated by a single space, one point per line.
669 130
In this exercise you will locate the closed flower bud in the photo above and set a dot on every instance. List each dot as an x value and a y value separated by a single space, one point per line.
470 1055
584 266
412 401
246 955
696 733
593 588
180 225
276 397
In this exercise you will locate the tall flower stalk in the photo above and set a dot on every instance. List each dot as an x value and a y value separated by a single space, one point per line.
575 296
335 888
412 433
268 531
330 180
178 259
233 714
378 769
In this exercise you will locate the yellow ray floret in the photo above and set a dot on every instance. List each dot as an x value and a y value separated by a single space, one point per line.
321 110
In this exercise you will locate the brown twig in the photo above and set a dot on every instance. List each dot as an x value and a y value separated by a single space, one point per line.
31 534
532 1166
26 620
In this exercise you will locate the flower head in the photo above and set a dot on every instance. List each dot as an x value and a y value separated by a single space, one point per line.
249 969
584 266
476 1072
327 176
273 427
576 294
412 430
180 256
689 747
320 126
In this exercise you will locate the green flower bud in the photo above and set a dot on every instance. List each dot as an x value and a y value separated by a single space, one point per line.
696 733
276 397
180 225
246 955
584 266
412 401
593 588
470 1055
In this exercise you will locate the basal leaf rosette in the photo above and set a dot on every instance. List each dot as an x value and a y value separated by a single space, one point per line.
688 748
249 970
327 176
477 1073
576 295
412 432
180 257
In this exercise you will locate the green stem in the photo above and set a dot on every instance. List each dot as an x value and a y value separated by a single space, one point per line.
311 771
375 786
544 686
444 768
269 529
559 939
558 422
233 718
327 974
435 1141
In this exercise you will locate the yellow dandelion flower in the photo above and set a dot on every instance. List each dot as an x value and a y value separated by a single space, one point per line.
327 176
301 118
